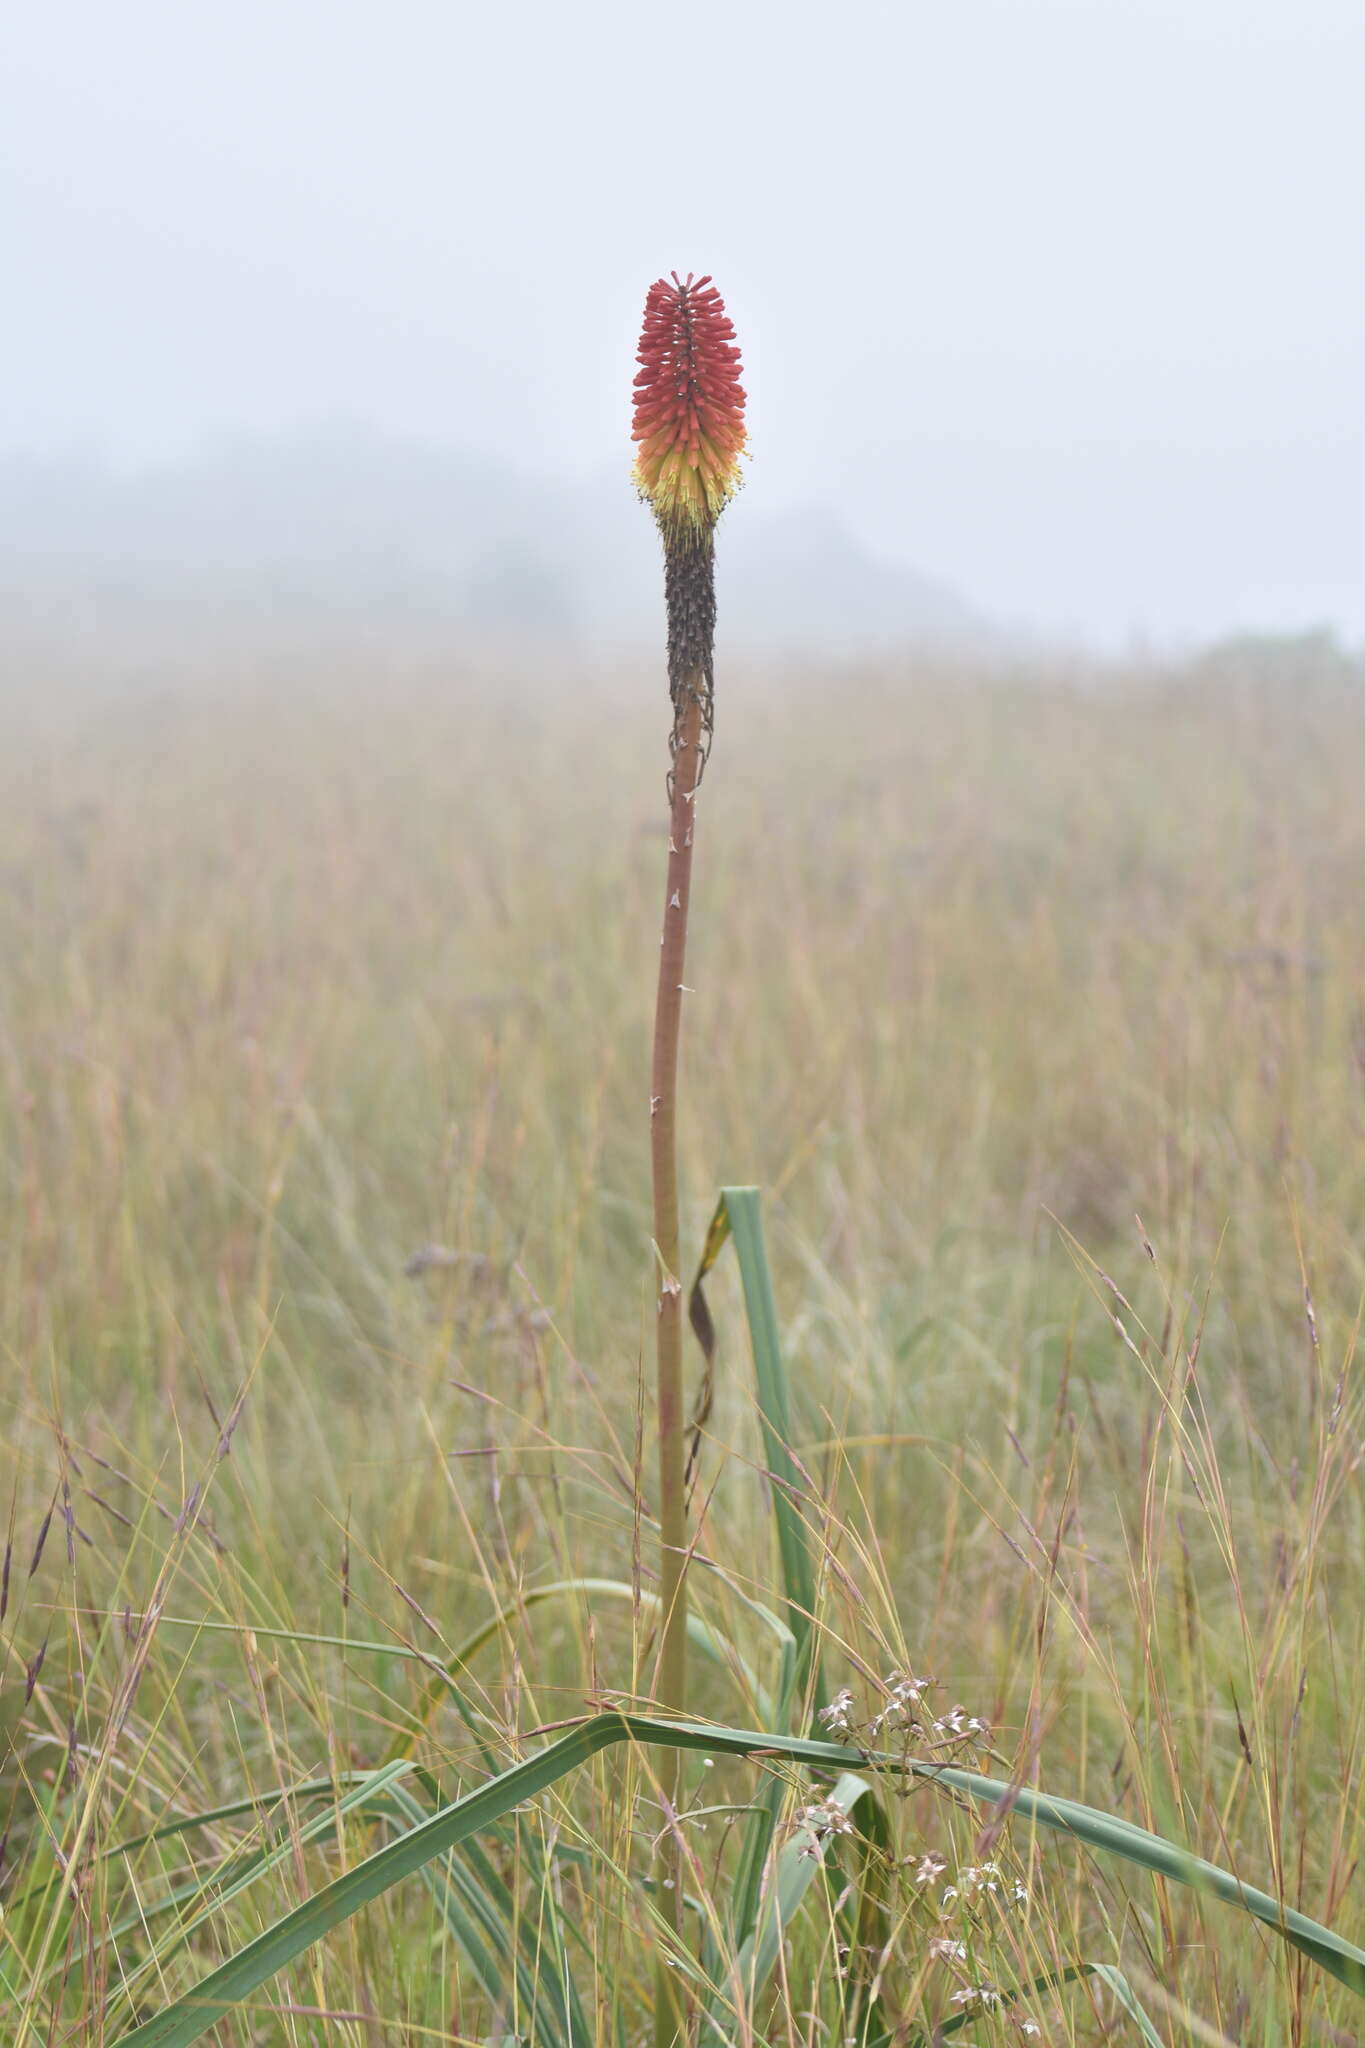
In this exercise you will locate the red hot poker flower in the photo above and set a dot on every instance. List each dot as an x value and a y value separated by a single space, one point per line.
689 407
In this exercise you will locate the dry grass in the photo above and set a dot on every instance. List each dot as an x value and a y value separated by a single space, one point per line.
299 982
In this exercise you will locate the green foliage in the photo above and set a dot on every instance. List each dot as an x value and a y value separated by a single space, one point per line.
480 1911
1001 957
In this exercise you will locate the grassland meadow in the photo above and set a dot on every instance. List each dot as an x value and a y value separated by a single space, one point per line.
1033 1002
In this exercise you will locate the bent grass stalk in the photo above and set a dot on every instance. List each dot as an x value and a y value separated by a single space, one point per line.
689 427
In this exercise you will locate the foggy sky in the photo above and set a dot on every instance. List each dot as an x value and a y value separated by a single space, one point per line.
1063 304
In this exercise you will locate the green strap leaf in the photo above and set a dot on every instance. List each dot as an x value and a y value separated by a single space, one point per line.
738 1216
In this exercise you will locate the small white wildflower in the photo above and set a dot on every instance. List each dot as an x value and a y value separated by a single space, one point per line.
945 1951
838 1715
929 1867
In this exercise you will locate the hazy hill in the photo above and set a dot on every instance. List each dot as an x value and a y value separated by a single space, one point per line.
343 531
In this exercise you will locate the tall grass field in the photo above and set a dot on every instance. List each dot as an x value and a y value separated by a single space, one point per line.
1033 1004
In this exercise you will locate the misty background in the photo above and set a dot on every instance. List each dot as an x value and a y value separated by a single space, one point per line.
1052 317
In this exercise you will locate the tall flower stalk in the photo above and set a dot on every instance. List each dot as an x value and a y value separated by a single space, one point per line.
689 426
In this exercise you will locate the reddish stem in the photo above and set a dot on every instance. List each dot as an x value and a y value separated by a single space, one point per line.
671 1687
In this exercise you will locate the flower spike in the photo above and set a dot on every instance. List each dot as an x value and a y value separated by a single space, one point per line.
689 436
689 408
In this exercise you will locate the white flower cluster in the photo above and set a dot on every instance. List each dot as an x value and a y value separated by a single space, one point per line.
904 1711
976 1878
904 1693
961 1925
958 1725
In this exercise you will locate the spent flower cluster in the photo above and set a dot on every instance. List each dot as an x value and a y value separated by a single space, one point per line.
820 1824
